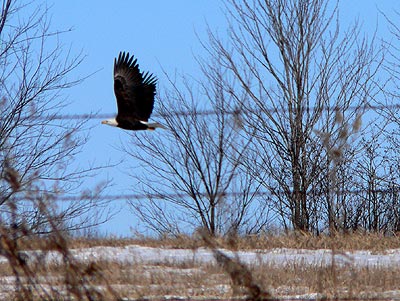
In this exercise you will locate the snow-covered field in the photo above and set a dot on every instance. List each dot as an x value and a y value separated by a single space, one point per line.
152 263
279 257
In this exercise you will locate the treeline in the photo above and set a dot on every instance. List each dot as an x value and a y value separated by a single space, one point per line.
304 134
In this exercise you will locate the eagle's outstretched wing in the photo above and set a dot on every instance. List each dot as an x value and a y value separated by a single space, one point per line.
134 90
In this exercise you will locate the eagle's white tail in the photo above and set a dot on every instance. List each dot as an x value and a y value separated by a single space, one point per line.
152 126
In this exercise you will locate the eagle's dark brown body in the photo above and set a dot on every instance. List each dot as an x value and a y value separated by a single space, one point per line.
135 92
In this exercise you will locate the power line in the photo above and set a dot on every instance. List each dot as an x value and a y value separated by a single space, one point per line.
212 112
110 115
138 196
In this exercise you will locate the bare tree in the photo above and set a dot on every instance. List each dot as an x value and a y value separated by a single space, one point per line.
35 153
192 172
300 72
34 72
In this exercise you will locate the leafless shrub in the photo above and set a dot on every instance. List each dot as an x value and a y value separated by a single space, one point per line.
192 172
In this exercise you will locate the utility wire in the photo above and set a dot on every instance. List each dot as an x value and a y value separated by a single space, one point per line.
110 115
114 197
211 112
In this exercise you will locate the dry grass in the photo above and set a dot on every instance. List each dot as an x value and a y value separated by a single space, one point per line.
349 242
192 280
226 280
330 282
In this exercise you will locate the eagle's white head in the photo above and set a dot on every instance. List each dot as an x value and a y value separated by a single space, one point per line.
111 122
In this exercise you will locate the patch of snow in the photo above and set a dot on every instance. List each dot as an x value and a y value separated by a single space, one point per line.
275 257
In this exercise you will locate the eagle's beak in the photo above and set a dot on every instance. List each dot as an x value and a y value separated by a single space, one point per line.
104 122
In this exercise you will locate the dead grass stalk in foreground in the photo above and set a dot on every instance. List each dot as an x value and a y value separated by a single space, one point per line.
237 271
32 279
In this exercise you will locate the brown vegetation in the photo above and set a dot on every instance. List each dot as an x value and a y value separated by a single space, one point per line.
228 279
375 242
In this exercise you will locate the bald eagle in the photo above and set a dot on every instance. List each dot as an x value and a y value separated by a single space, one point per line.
135 93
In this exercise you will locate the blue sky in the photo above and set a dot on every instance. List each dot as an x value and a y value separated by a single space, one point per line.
162 35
